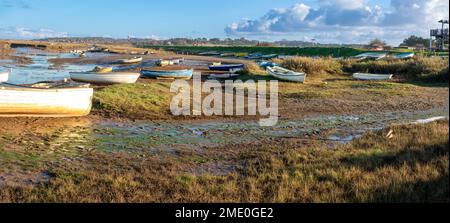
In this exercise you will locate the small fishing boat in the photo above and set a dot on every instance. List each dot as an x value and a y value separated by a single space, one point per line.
227 54
371 55
404 55
367 76
269 56
265 64
131 60
209 53
163 63
255 56
4 75
226 67
105 78
177 60
167 73
286 75
45 100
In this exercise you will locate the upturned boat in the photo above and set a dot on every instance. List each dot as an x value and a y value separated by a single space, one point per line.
367 76
45 100
286 75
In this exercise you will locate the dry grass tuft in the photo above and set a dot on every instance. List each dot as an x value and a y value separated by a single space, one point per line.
312 66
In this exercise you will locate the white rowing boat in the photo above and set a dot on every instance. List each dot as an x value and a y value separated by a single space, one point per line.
286 75
45 100
129 61
367 76
105 78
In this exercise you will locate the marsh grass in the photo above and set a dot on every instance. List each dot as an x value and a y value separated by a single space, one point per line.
420 68
312 66
412 166
139 100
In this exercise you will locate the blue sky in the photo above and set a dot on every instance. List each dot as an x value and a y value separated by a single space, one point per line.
337 21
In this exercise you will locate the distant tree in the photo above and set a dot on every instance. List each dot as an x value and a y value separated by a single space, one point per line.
377 42
414 40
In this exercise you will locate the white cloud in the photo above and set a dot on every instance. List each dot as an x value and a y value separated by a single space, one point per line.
26 33
347 21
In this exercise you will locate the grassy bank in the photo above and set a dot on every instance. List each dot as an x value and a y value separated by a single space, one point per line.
322 93
412 166
420 68
139 101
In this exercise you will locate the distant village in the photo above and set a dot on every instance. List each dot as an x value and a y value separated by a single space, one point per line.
438 41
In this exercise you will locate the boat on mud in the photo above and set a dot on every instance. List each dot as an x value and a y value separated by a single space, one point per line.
176 60
269 56
265 64
102 78
255 56
173 73
209 53
226 67
408 55
371 56
4 75
131 60
163 63
286 75
367 76
45 100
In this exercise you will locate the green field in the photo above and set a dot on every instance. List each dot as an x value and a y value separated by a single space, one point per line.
305 51
296 51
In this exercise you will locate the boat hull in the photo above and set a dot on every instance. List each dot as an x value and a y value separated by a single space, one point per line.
105 78
364 76
175 74
4 76
291 76
226 67
130 61
27 102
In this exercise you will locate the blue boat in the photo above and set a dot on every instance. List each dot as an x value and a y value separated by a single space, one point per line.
168 74
227 67
269 56
265 64
404 55
255 56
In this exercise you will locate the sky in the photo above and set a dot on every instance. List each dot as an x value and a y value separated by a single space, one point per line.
325 21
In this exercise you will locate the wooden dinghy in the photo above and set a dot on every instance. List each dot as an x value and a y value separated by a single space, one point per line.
130 61
45 100
4 75
367 76
286 75
105 78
